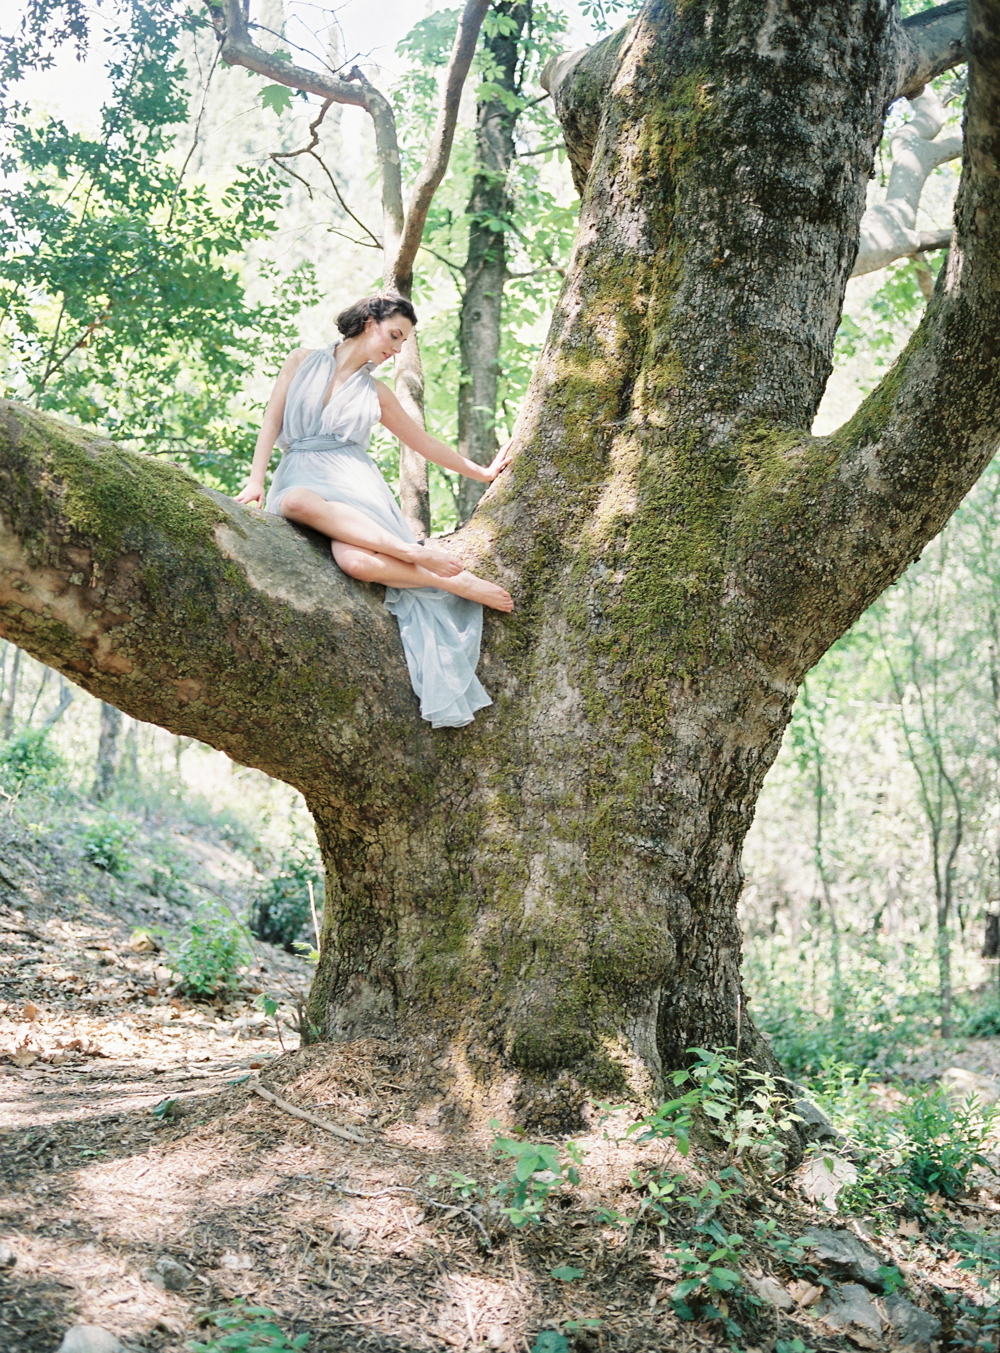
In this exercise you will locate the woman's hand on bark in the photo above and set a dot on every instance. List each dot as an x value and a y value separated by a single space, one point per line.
253 493
499 462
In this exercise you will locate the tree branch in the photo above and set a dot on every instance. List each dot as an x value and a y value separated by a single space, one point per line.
888 229
238 49
930 42
436 162
886 482
180 607
579 83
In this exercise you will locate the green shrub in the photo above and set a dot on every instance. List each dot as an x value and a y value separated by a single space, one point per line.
984 1022
106 845
538 1172
248 1329
922 1144
209 956
280 912
741 1106
29 758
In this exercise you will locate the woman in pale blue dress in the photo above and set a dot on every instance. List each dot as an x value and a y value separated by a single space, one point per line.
321 413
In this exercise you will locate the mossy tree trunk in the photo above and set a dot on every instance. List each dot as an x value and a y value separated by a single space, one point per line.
544 903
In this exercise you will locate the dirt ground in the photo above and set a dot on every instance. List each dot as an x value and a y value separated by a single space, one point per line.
131 1135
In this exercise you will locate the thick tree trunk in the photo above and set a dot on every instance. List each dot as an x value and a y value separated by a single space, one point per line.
544 903
108 751
485 268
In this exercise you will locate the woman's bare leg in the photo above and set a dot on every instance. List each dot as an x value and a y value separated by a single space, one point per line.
347 524
371 567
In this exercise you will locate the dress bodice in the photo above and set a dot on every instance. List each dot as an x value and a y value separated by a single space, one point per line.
349 415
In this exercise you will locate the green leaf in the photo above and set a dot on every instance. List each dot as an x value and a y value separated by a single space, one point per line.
566 1274
276 97
526 1166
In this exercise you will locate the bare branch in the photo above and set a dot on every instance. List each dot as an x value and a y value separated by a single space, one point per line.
888 230
278 155
436 161
931 42
238 49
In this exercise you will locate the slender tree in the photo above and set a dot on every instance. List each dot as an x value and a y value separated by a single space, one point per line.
544 903
108 751
485 270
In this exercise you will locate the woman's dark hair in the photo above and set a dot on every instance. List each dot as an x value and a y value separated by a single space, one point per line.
352 321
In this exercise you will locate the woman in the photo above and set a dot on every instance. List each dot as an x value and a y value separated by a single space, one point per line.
321 413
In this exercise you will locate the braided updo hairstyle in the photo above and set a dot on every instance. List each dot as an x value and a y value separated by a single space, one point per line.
351 322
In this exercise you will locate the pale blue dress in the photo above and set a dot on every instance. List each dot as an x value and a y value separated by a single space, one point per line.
326 450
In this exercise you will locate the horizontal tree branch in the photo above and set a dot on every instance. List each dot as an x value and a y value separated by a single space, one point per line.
889 228
931 42
184 609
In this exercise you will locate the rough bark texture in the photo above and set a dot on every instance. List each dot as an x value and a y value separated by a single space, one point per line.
545 902
485 268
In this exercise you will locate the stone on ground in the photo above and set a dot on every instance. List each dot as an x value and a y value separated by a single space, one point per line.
90 1339
844 1251
959 1084
813 1124
851 1308
7 1256
912 1327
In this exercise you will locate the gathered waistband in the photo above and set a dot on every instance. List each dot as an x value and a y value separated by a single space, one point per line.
324 444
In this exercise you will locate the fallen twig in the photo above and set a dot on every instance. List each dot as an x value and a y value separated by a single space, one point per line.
306 1116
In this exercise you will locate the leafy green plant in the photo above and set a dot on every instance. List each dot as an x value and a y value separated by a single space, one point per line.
984 1022
165 1111
29 758
922 1144
743 1106
248 1329
106 845
280 910
207 959
709 1266
550 1341
539 1171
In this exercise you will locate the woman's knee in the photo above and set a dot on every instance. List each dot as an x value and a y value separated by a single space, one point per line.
296 503
360 564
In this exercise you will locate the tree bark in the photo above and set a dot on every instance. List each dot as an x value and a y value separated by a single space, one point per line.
8 708
485 270
108 751
544 903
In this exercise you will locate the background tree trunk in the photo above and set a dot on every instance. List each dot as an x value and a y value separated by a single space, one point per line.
544 903
108 751
485 268
8 707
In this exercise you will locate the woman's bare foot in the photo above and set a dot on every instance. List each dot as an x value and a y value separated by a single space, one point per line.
436 560
487 594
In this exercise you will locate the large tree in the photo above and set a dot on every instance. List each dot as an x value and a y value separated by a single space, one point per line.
544 903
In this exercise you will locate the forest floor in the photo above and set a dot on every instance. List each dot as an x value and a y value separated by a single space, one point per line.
147 1183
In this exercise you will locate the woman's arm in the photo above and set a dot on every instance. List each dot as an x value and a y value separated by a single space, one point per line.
270 429
411 434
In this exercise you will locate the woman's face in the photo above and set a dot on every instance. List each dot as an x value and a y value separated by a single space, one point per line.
385 338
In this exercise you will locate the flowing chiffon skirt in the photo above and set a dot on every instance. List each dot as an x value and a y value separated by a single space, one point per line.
441 633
